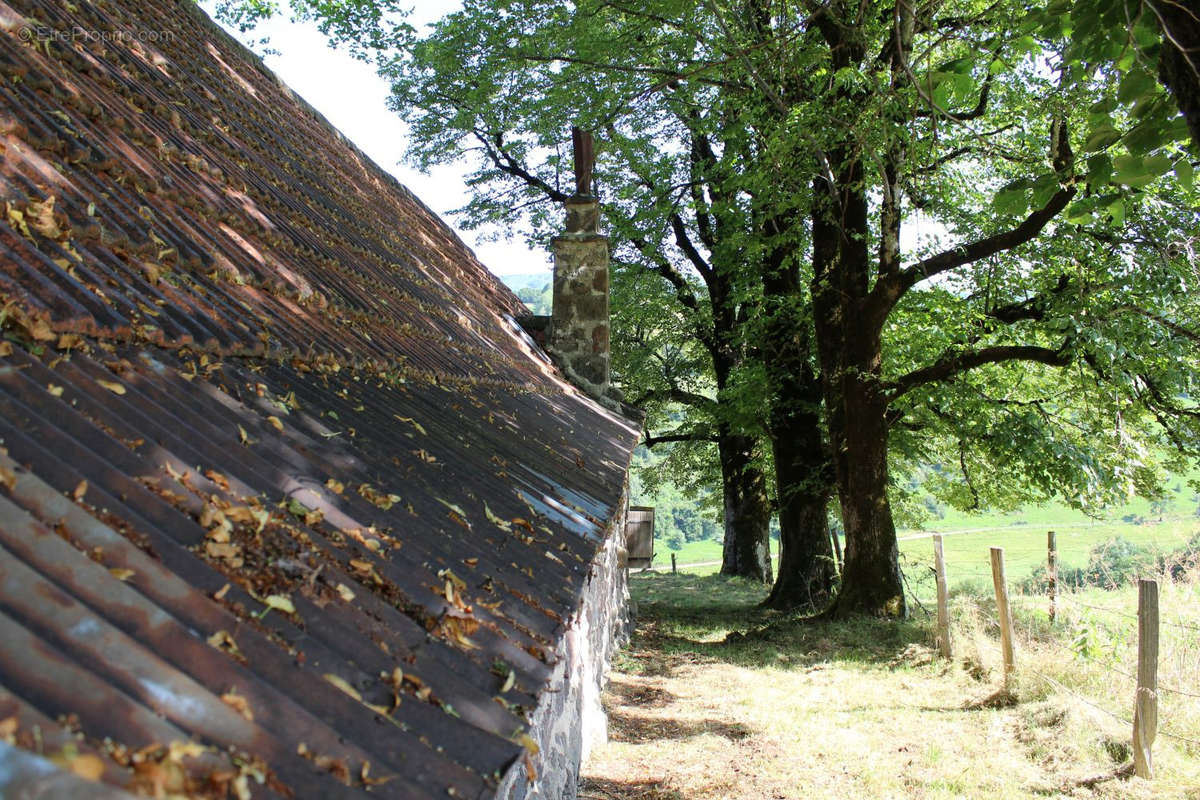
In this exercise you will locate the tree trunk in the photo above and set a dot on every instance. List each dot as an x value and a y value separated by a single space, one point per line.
802 475
871 580
806 568
1179 60
747 551
849 324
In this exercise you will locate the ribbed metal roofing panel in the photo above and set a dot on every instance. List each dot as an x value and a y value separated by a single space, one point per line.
284 495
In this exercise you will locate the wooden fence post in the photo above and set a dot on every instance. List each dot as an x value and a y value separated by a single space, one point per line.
1145 708
1003 612
943 600
1052 573
672 563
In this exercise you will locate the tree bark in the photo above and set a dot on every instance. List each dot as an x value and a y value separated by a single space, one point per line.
1179 61
849 322
806 567
803 477
746 552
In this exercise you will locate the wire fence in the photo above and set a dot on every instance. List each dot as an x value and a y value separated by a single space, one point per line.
1108 638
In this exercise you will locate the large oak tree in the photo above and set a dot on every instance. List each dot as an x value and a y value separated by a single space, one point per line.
773 157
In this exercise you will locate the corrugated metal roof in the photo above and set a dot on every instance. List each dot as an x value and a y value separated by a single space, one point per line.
284 495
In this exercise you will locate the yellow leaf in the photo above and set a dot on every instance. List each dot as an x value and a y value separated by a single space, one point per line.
6 349
122 574
281 603
16 218
112 386
221 640
527 741
242 435
275 423
80 490
54 389
342 684
179 749
221 549
503 524
8 729
43 220
412 422
456 509
337 487
8 478
87 766
240 514
238 704
344 591
509 681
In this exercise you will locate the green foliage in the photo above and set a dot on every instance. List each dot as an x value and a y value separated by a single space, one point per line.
685 509
1058 365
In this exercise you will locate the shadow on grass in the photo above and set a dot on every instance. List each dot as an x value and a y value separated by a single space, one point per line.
605 789
636 729
688 618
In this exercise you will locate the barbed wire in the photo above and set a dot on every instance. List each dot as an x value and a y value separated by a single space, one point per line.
1169 623
1162 730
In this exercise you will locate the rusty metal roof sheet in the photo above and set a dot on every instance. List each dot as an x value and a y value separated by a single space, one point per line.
287 504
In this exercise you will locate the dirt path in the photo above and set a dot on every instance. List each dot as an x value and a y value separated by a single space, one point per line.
833 712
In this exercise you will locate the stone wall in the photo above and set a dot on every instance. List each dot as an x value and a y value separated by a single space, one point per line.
569 719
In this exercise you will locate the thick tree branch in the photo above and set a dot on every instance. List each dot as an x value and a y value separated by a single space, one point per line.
684 242
493 145
1026 231
677 436
674 395
953 364
1033 309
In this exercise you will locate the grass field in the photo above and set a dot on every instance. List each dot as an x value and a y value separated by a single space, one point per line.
967 539
865 709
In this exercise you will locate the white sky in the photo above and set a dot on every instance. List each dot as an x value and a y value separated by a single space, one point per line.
353 98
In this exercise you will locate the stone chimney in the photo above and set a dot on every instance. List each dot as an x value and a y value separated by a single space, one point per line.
579 318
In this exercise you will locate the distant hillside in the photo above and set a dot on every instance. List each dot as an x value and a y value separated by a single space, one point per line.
525 279
533 288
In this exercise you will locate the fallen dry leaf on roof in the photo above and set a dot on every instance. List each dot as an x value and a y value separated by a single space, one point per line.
221 640
343 685
280 603
238 703
112 386
86 765
412 422
54 389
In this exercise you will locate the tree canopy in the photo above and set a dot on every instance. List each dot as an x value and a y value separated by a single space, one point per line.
882 236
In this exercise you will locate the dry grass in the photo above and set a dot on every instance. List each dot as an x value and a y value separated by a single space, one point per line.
864 709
